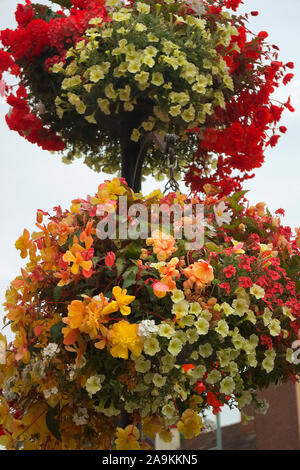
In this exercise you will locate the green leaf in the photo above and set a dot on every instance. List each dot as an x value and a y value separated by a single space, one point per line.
63 3
234 201
120 263
130 276
52 422
213 247
56 331
134 249
57 293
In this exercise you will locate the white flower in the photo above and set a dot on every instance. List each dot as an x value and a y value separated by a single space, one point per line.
146 328
209 426
81 417
50 391
222 216
50 350
197 6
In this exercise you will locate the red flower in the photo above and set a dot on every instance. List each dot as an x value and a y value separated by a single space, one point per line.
229 271
200 387
288 78
245 282
226 286
24 14
110 259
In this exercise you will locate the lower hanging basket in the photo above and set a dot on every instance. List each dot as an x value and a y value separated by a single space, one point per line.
121 332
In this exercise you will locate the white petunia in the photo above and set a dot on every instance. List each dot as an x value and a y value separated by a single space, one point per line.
222 217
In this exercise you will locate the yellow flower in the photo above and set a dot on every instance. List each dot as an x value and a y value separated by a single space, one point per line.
142 77
128 438
110 91
142 7
124 93
125 337
135 136
93 384
140 27
190 424
188 115
157 79
104 105
91 119
257 291
123 300
175 110
151 38
96 73
134 66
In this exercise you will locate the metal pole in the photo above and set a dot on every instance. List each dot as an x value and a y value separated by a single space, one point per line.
219 433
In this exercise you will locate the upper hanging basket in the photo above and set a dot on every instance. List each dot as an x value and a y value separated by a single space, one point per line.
100 72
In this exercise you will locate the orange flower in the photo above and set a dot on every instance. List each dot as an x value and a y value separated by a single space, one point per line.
64 277
86 236
23 243
163 245
200 274
169 273
77 262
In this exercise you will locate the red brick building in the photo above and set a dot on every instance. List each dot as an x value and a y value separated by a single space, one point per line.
279 429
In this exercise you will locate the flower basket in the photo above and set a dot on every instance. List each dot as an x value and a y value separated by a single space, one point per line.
97 77
106 321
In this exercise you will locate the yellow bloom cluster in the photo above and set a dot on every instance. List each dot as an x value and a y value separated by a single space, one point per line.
117 67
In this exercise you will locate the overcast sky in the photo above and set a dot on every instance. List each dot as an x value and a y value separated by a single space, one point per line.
31 178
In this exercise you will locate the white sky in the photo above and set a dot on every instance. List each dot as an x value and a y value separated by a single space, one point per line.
31 178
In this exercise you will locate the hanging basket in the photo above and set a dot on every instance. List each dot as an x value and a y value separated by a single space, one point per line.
149 326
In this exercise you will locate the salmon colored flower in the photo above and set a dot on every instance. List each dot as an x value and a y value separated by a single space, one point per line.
199 274
124 339
163 245
160 289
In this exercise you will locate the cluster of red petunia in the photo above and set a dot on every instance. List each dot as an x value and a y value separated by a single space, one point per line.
240 133
28 42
